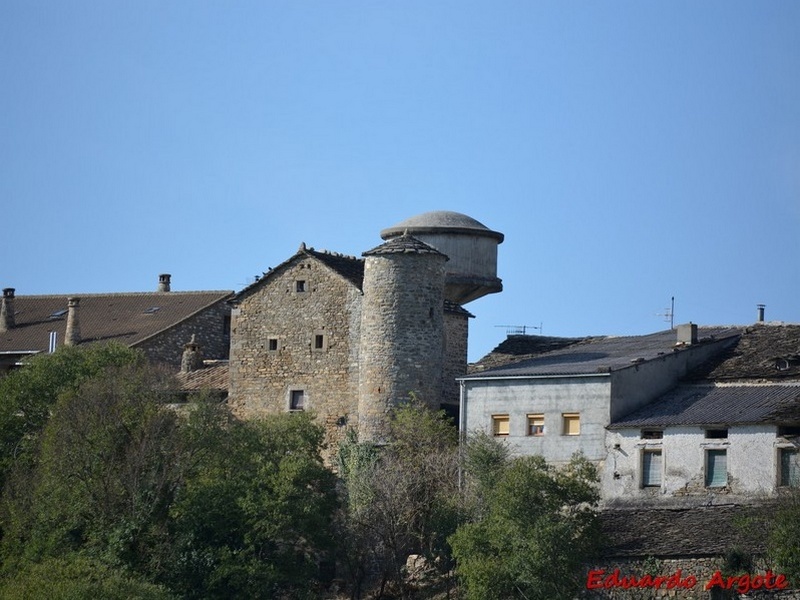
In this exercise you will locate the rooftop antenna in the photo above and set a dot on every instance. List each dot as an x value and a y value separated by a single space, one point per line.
520 329
669 314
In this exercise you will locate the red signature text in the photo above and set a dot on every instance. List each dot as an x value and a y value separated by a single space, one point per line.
600 578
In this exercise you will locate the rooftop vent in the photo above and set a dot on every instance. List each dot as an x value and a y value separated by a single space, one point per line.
687 334
761 308
7 310
164 282
73 334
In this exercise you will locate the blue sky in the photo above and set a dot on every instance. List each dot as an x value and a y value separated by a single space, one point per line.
629 151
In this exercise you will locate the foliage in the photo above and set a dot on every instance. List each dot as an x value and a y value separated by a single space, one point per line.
195 500
255 516
783 541
534 533
28 395
400 499
76 578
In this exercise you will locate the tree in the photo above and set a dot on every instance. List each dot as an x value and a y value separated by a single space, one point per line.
254 518
534 530
28 395
400 499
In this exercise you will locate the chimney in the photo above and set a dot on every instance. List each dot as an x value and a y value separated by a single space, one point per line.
163 282
7 310
761 308
73 335
192 358
687 334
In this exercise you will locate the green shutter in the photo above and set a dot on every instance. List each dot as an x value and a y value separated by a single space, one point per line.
716 468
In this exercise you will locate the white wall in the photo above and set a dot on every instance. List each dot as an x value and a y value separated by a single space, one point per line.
588 396
752 461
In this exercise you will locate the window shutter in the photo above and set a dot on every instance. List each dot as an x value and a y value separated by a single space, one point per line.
651 469
716 468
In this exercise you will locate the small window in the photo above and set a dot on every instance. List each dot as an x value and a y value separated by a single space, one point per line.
273 345
297 400
716 468
500 424
572 423
319 341
790 467
652 434
716 434
651 468
535 424
300 285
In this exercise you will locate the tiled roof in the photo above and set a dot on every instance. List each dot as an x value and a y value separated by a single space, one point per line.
212 376
602 355
128 318
687 532
764 351
727 404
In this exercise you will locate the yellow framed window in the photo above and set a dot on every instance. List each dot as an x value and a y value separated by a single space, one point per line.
572 423
500 424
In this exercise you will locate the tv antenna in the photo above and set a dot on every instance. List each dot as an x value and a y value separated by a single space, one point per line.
520 329
669 313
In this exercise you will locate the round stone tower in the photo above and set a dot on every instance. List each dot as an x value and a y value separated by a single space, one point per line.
471 247
402 331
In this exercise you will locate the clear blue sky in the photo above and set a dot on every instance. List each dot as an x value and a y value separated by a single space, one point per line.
629 151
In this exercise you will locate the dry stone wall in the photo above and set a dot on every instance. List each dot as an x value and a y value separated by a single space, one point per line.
298 332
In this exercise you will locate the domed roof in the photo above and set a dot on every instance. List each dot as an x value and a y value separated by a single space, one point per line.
441 221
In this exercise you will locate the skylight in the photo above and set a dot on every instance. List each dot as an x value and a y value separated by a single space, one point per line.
57 314
152 310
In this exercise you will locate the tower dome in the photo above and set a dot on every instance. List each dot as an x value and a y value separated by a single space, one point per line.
471 247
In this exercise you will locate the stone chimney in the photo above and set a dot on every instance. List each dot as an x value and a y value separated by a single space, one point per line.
7 310
761 308
73 335
687 334
192 358
163 282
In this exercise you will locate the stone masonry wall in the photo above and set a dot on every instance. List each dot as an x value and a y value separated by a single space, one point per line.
402 334
211 328
290 336
455 355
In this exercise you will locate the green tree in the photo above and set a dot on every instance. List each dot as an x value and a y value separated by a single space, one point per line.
400 499
254 518
28 395
536 528
783 540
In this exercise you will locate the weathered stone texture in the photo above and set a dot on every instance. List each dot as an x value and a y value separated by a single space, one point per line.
455 353
285 340
211 328
402 332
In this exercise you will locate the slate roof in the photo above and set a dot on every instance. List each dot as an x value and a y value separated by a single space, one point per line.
349 267
768 351
518 348
704 405
601 355
683 532
404 244
128 318
441 221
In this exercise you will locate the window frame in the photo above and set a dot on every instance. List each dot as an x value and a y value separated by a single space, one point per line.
532 418
297 393
499 419
648 454
785 478
570 417
710 475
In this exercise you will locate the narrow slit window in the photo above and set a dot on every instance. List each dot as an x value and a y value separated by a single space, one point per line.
272 344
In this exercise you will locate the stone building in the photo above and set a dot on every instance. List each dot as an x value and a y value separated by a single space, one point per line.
159 323
349 337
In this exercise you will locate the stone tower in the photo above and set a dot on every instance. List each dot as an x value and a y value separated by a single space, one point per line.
402 331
